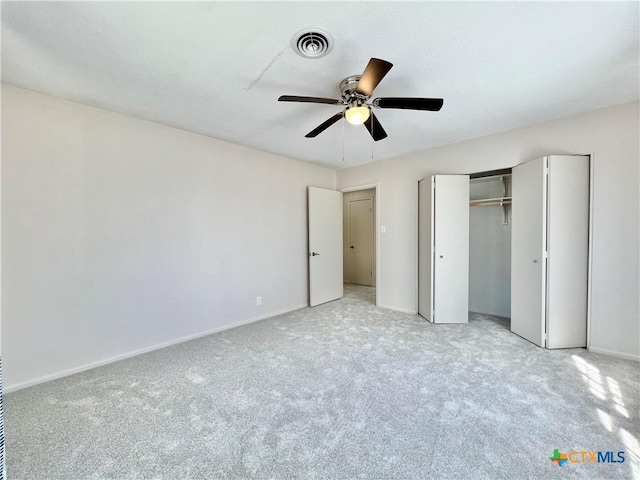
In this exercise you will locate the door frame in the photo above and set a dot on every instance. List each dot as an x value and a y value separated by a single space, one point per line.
592 157
376 226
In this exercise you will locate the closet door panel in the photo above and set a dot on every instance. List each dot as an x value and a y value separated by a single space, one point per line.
425 248
528 243
451 256
568 251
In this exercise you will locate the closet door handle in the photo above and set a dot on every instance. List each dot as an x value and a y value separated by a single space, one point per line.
441 256
535 261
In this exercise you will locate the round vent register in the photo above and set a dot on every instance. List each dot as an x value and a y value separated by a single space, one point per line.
312 42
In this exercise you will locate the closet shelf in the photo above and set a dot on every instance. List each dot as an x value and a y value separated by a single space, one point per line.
483 202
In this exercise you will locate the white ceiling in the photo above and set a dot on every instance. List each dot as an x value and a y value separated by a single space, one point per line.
218 68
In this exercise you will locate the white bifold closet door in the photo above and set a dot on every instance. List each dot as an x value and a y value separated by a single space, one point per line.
550 251
528 247
443 248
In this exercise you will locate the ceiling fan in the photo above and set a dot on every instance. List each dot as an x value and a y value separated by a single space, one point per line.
356 92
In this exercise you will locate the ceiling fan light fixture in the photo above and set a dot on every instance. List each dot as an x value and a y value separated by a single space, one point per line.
357 115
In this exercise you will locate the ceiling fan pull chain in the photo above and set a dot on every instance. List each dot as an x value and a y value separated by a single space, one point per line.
343 139
373 126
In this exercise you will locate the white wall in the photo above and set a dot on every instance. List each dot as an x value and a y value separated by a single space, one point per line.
346 254
610 134
3 473
119 235
489 252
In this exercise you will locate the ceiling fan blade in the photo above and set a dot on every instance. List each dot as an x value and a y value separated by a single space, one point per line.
375 71
431 104
323 126
294 98
374 127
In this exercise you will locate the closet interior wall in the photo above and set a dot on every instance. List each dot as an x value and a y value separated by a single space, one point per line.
490 247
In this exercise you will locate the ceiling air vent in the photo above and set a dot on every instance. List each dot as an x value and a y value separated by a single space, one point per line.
312 42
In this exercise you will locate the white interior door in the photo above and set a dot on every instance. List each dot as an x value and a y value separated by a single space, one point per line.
325 245
451 255
528 244
425 248
361 241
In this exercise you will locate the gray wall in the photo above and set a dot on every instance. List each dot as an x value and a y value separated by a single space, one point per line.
121 235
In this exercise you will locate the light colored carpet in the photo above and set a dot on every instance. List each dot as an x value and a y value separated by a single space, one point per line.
343 390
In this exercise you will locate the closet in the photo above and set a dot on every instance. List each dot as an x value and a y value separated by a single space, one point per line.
490 243
452 231
538 212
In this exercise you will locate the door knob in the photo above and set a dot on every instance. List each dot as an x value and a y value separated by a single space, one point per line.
535 261
351 246
313 254
441 256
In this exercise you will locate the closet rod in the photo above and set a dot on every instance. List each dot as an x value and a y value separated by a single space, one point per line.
489 203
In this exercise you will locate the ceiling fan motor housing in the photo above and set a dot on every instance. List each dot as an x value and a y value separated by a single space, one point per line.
348 90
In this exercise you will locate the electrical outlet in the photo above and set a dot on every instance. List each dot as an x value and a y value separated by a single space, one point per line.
258 301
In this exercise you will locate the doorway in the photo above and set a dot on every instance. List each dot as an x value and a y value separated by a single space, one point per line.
490 243
490 248
359 239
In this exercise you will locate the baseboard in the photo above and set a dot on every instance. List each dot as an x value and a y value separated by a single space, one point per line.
396 309
65 373
626 356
